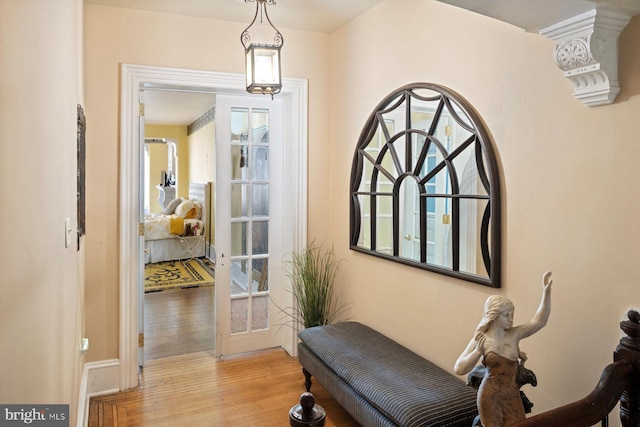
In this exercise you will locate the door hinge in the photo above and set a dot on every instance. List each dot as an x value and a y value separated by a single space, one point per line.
140 340
141 229
141 109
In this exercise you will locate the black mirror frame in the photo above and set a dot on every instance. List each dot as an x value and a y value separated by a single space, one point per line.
489 175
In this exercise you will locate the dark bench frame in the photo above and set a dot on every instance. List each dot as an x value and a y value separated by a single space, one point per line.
406 389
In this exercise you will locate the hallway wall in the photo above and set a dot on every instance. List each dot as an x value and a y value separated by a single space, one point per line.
570 189
41 280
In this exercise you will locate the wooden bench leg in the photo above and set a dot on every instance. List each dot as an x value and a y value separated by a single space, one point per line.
307 379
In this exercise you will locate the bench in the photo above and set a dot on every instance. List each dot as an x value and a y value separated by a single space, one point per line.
381 383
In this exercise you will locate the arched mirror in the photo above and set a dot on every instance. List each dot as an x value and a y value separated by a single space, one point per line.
425 186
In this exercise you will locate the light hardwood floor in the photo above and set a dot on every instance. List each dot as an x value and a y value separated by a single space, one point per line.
178 321
193 388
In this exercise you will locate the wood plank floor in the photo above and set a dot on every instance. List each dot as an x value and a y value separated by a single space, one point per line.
183 384
196 389
178 321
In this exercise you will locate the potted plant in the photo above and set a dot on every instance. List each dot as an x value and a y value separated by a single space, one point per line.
312 271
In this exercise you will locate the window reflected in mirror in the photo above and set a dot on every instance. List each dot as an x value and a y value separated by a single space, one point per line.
425 186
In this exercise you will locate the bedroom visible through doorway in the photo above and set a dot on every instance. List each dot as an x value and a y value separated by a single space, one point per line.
179 269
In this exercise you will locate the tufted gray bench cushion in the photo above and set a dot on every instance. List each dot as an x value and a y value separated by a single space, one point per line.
381 382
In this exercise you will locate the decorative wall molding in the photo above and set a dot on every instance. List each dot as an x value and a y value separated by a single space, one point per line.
587 52
206 118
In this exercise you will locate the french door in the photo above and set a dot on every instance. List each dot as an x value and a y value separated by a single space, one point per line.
249 223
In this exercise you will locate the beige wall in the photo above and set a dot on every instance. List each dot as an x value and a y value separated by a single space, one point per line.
114 36
41 280
570 196
202 155
571 199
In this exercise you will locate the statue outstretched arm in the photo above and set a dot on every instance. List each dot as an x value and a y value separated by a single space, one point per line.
541 317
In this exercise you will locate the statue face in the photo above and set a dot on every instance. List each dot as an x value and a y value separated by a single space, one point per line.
505 319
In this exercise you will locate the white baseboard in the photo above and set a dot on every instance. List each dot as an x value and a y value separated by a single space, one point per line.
98 378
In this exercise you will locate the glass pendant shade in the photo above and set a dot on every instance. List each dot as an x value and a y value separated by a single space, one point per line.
263 69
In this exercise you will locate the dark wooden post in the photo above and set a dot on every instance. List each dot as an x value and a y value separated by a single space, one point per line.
307 413
307 379
629 349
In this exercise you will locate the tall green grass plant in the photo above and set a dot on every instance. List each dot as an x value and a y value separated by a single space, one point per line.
312 271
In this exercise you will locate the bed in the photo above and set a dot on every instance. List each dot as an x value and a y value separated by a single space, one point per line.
181 231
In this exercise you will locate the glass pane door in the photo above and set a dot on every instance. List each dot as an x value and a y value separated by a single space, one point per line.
249 219
248 222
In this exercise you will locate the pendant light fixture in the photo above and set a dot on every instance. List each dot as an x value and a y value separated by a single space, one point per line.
262 56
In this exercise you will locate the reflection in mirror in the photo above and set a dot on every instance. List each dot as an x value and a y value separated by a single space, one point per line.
409 219
425 185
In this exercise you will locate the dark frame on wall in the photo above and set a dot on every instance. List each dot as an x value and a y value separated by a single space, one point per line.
425 187
81 172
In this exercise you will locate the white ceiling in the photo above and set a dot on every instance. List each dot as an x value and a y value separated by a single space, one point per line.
531 15
163 107
324 16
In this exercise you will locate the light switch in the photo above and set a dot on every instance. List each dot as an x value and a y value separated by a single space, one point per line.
84 345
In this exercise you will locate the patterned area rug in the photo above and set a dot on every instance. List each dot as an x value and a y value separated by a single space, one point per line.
178 274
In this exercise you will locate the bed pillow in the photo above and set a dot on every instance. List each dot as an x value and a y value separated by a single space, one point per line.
176 225
198 205
191 214
171 207
186 209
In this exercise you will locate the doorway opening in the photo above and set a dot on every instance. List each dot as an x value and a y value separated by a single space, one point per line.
179 269
294 97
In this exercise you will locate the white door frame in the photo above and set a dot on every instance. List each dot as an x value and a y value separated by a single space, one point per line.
132 77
